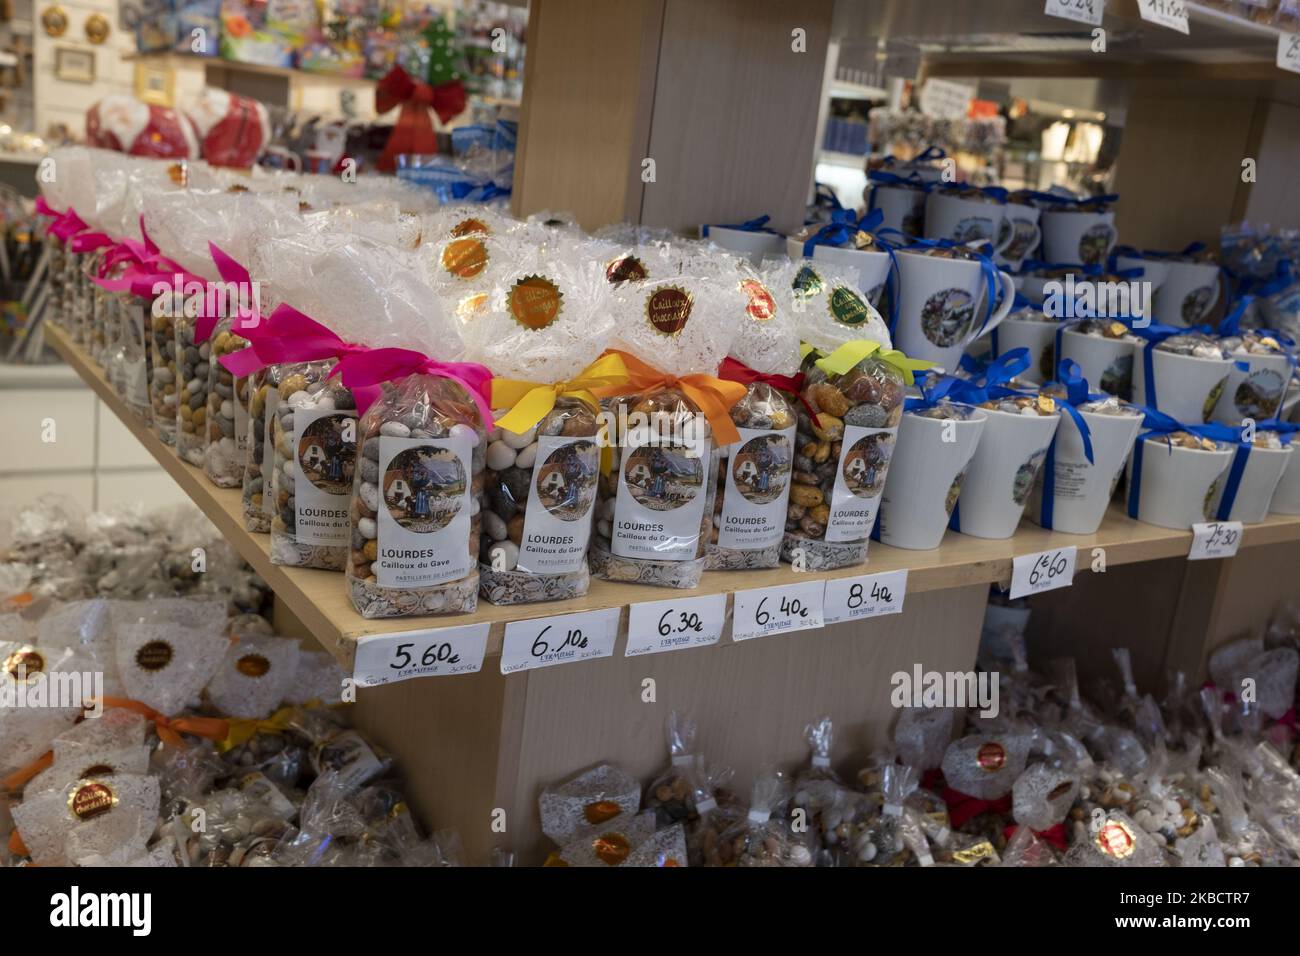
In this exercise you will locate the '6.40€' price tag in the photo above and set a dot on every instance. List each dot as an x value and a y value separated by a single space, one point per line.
1165 13
1045 571
563 639
871 595
1080 11
780 610
657 626
436 652
1214 539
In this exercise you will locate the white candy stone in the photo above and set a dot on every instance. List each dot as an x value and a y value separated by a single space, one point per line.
394 430
500 456
227 409
607 508
506 552
867 853
494 526
474 507
527 457
205 350
370 496
367 527
465 430
227 446
194 385
324 403
519 441
605 529
1174 807
300 399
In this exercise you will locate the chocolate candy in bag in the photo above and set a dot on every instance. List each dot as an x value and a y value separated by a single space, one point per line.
590 799
26 730
922 735
254 676
227 412
985 766
259 464
1114 839
670 793
167 650
1042 796
763 837
44 820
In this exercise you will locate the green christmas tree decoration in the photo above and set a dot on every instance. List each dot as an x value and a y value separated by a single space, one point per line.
444 53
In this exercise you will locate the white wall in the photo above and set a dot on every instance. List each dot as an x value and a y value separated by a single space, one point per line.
59 101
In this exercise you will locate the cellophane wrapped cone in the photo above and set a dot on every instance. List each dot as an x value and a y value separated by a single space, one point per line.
93 803
754 474
843 454
986 766
1042 796
167 650
254 676
25 731
655 501
547 321
415 515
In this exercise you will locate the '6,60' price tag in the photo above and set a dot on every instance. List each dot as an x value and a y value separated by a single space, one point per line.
1214 539
1032 573
781 610
563 639
657 626
871 595
436 652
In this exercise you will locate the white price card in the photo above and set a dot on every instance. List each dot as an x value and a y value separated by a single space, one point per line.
870 595
1288 51
562 639
781 610
435 652
1214 539
1165 13
946 100
1045 571
657 626
1080 11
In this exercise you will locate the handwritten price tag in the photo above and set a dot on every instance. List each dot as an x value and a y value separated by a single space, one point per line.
762 612
1288 51
545 641
1165 13
657 626
1045 571
1080 11
1214 539
871 595
436 652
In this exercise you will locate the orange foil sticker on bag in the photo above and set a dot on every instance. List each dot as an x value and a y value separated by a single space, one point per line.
535 302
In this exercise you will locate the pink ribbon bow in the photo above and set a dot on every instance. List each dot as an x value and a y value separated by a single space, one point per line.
89 241
364 370
232 272
65 224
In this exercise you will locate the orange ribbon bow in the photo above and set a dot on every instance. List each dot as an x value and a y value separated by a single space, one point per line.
171 728
712 396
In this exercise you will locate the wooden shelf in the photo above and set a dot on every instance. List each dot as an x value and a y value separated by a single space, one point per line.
319 600
174 60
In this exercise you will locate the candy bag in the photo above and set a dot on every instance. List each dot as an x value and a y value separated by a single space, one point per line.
29 722
167 650
590 799
763 838
670 793
254 676
45 819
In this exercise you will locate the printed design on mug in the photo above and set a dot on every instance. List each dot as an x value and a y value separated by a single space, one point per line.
1195 304
668 308
663 478
1026 475
1212 399
972 229
954 491
566 481
1021 244
847 306
1207 506
423 488
807 283
1259 394
535 302
760 306
465 258
625 269
1118 378
327 459
761 469
866 463
946 315
1095 243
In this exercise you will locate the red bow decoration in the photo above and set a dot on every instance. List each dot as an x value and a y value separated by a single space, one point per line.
963 807
1054 835
734 371
414 134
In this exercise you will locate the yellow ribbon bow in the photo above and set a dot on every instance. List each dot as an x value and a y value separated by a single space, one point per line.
243 729
530 402
850 354
712 396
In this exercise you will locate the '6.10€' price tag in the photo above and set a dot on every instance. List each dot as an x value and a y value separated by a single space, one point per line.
781 610
1214 539
436 652
563 639
657 626
871 595
1045 571
1080 11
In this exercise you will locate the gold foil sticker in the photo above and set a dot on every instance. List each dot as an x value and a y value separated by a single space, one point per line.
24 665
465 258
625 269
253 665
535 302
601 811
760 305
611 848
973 854
991 757
470 227
667 308
471 305
1046 405
1116 839
154 656
847 306
91 799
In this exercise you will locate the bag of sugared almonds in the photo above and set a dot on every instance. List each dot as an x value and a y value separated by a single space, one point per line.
542 333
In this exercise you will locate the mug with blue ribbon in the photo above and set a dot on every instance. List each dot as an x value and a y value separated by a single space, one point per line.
752 238
899 198
1186 387
1254 474
1264 363
1186 485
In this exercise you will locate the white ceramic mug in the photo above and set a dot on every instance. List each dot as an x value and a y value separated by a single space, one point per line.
1188 293
1286 497
753 245
963 220
1077 238
1259 482
872 265
1187 388
1154 271
903 209
1082 489
1257 391
1039 338
1019 235
1106 364
1002 472
941 306
1178 484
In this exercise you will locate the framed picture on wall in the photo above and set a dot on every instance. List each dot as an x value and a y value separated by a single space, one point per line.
74 66
153 84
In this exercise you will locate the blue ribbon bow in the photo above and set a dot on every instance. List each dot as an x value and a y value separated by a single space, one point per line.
1158 423
750 225
1076 393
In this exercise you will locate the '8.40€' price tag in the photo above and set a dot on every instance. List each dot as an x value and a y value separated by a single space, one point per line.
563 639
761 612
1165 13
1080 11
1214 539
871 595
657 626
1045 571
436 652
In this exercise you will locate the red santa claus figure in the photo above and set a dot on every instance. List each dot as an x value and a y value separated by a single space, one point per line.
125 124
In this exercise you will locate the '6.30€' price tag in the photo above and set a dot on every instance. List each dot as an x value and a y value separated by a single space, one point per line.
1288 51
657 626
1080 11
1165 13
871 595
1214 539
781 610
563 639
1031 573
436 652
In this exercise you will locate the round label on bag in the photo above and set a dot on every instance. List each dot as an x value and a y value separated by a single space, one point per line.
1116 839
806 282
625 269
252 665
423 488
465 258
471 305
611 848
663 478
667 308
566 481
469 227
991 757
24 665
601 811
847 306
91 800
154 656
535 302
761 306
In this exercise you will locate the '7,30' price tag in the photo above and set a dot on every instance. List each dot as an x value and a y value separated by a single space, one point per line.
672 625
871 595
761 612
1080 11
1288 51
1214 539
1045 571
562 639
436 652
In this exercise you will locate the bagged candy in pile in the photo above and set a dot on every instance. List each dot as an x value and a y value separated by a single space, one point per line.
764 838
589 799
716 813
671 793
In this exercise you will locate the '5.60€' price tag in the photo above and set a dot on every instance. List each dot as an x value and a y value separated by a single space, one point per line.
780 610
1080 11
1045 571
657 626
1214 539
436 652
871 595
563 639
